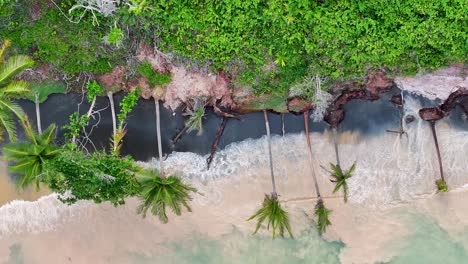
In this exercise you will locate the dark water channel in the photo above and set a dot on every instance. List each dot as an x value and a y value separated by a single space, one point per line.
367 117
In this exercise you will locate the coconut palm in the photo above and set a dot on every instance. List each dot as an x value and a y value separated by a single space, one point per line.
271 210
159 192
339 178
29 157
440 183
322 214
11 89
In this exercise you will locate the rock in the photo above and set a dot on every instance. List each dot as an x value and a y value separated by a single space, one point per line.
378 82
409 119
297 105
397 100
431 114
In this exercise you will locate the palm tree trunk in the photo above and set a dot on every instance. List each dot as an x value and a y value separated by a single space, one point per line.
282 124
335 143
306 124
110 95
38 113
90 111
267 126
434 135
158 134
214 146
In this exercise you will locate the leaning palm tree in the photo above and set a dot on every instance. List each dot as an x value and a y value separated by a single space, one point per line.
321 212
29 157
271 210
440 183
159 192
11 89
340 177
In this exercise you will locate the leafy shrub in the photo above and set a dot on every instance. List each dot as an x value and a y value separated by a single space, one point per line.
154 78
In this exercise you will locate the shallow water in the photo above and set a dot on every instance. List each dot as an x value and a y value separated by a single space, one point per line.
392 216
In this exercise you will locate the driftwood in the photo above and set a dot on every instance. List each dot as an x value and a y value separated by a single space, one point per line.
219 112
214 146
179 135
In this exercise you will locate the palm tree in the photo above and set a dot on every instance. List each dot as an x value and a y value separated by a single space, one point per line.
29 157
158 191
271 209
440 183
11 89
339 178
321 212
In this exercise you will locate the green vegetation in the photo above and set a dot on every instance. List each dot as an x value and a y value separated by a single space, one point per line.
154 78
30 156
276 217
323 216
97 177
268 44
160 193
441 186
11 89
45 89
339 178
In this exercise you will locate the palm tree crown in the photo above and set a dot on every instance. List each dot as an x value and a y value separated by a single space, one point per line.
158 193
29 157
11 89
339 177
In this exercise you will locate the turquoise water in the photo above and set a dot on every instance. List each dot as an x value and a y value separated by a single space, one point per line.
429 243
426 243
240 248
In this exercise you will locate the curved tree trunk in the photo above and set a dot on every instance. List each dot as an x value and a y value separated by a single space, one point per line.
158 134
38 113
267 126
434 135
306 125
110 95
335 143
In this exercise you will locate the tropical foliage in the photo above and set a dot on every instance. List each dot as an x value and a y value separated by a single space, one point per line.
275 216
11 89
30 156
269 44
160 193
340 178
441 186
322 215
97 177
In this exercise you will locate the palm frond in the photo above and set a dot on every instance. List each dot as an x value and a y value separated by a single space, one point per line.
340 178
12 107
13 66
322 215
158 193
6 121
30 157
276 217
15 89
6 44
195 121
